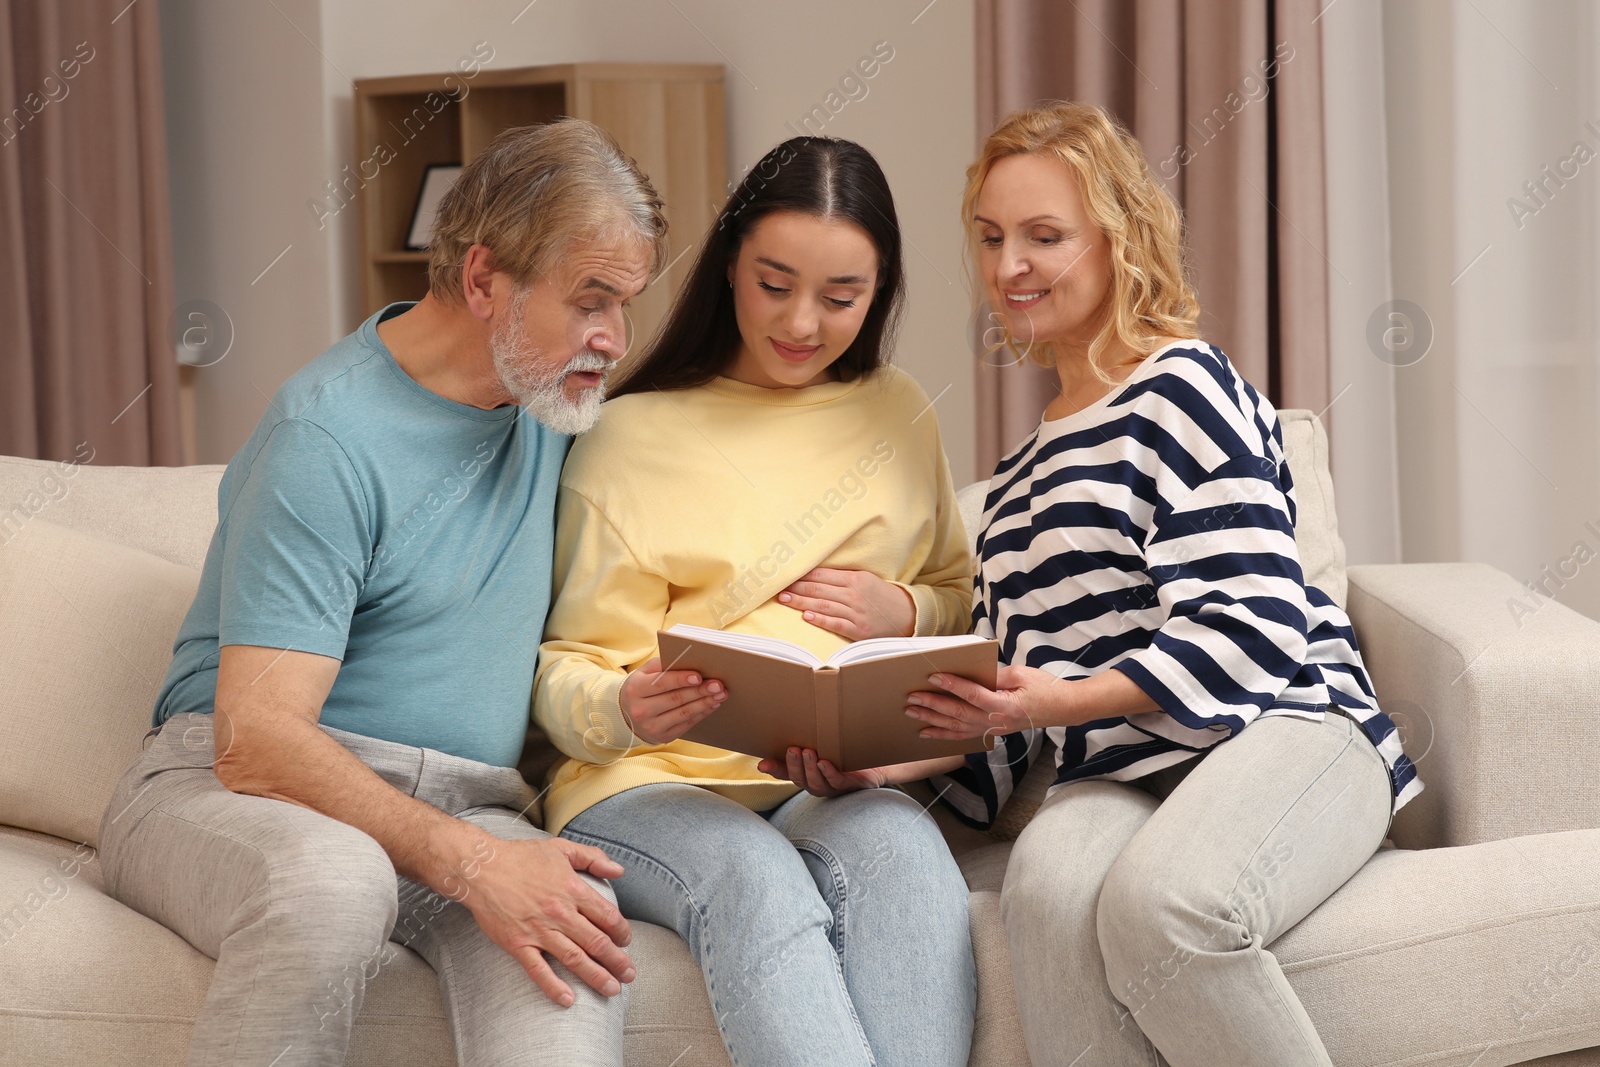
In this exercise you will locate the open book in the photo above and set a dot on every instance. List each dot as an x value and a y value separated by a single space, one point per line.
850 708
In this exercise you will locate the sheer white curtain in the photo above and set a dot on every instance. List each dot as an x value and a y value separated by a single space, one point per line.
1491 113
1361 417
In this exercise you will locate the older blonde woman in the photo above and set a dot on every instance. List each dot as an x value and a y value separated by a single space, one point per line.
1222 765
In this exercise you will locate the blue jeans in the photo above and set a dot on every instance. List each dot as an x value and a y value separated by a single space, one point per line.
829 930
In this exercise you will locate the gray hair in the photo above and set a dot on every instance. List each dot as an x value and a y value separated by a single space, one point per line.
533 193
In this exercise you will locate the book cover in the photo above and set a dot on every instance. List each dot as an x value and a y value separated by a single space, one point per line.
850 710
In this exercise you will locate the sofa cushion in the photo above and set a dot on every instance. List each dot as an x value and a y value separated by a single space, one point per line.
969 500
85 638
1483 955
1316 527
168 512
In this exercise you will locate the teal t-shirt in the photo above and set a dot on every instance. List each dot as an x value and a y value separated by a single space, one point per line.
409 536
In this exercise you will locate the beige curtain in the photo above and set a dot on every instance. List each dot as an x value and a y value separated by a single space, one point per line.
1494 223
85 258
1242 155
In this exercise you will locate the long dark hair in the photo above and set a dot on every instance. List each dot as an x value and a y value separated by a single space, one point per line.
820 176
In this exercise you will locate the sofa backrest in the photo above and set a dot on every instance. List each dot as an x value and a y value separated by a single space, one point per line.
1316 528
169 512
97 569
86 633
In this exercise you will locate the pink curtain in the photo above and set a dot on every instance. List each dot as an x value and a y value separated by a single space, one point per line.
85 246
1226 97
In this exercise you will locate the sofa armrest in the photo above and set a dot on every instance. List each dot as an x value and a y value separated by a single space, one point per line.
1497 696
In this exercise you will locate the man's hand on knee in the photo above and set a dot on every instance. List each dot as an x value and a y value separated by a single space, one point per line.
530 899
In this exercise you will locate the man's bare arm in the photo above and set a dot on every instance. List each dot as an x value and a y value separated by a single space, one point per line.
528 898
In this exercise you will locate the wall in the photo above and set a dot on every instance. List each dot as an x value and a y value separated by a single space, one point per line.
293 132
245 141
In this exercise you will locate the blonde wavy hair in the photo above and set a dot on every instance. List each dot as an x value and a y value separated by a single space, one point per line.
1150 296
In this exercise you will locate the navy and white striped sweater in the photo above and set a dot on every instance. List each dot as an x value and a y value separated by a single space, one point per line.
1153 532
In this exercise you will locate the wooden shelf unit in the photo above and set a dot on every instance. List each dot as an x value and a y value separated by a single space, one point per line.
667 116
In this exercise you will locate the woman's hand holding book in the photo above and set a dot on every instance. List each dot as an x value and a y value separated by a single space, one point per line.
818 776
1023 698
661 705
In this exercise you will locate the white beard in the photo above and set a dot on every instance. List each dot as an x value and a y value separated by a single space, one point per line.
516 361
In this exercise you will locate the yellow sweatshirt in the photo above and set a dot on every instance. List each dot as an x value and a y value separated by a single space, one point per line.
700 505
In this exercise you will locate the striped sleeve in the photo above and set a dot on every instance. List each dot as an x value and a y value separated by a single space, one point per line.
1223 562
976 792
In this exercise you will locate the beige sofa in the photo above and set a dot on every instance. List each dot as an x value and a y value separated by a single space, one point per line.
1479 935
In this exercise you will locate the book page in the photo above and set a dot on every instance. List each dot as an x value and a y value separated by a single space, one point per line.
880 647
765 646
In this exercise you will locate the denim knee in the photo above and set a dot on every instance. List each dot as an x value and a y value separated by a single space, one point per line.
757 889
882 841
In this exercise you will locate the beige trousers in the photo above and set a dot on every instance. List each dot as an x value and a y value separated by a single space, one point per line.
1139 924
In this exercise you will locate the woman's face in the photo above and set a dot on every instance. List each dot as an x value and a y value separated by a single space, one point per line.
1045 265
801 288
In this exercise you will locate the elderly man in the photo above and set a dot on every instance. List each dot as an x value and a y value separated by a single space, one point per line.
364 641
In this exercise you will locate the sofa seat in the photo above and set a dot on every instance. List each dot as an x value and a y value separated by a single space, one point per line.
128 993
85 980
1477 942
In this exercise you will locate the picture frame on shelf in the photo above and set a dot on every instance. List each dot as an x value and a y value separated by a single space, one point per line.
436 181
